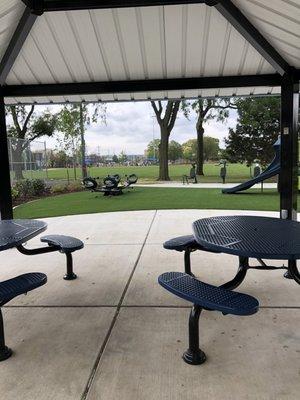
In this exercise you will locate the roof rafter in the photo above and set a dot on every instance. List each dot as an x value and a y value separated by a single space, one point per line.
149 85
24 26
68 5
252 35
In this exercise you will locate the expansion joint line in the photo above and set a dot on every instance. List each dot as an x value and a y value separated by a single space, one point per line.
115 317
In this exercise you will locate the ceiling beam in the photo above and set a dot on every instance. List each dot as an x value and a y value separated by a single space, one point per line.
23 28
150 85
252 35
68 5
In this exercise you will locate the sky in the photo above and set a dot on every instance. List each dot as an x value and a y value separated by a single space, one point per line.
132 125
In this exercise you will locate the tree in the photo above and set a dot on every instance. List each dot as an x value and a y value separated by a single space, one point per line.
189 150
258 127
210 149
153 149
115 158
72 122
206 110
166 123
175 150
58 159
27 126
123 157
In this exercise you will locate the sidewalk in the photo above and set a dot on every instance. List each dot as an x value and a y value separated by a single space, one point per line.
204 185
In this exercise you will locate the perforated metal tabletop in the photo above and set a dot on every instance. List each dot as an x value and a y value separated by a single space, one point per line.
250 236
17 231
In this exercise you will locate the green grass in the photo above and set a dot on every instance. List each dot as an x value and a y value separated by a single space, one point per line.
141 198
235 172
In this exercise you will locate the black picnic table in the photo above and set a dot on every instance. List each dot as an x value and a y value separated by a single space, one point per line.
252 237
14 233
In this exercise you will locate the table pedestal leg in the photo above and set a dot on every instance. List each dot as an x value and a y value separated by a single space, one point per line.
293 270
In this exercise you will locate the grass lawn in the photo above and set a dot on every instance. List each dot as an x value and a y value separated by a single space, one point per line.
143 198
235 172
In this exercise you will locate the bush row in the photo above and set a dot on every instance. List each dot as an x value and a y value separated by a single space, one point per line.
28 189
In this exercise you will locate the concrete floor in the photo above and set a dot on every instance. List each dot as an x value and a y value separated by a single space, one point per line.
114 334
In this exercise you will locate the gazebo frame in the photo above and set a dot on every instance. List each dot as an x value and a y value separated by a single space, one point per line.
286 76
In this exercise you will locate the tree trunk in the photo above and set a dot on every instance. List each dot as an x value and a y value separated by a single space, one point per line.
17 161
200 150
163 155
83 162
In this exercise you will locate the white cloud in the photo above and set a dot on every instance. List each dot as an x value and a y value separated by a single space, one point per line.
130 127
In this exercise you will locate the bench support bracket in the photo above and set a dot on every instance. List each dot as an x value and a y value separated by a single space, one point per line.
70 276
194 355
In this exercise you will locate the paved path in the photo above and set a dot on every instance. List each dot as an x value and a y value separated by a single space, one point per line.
204 185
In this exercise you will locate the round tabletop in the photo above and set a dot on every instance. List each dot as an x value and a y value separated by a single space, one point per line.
250 236
17 231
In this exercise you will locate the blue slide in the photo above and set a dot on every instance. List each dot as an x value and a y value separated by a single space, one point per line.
272 170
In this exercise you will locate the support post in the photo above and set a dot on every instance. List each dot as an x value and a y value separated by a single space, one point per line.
6 209
70 276
5 352
289 147
194 355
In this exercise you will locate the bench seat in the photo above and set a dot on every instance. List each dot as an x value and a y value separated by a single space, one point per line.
182 243
208 296
20 285
10 289
67 244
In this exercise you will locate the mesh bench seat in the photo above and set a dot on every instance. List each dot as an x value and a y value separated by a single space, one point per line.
66 245
9 290
186 244
205 296
182 243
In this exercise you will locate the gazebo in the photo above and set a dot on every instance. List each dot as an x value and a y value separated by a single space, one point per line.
59 51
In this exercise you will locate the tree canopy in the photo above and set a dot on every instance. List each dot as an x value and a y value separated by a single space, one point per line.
206 110
258 127
72 122
153 149
26 126
210 149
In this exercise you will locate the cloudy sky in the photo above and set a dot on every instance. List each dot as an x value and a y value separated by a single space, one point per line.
131 126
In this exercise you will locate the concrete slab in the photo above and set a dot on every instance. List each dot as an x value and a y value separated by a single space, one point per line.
249 358
172 223
268 286
104 228
102 270
55 350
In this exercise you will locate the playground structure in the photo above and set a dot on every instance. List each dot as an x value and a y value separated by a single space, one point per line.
272 170
112 184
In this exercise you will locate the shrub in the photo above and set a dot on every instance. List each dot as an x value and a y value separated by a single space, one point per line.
25 188
74 186
31 188
39 187
59 188
14 193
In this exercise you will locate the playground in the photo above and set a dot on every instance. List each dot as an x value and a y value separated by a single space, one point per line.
236 173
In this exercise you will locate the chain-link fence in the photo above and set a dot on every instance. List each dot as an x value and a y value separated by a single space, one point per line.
27 160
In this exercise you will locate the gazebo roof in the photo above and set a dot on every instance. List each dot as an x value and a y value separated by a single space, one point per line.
138 53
